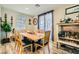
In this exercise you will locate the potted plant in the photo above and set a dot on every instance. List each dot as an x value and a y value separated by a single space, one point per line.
5 26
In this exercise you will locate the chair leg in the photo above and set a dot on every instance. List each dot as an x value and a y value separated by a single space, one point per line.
48 48
43 50
35 47
38 52
31 49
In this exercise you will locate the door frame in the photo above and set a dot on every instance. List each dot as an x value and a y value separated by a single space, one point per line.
52 22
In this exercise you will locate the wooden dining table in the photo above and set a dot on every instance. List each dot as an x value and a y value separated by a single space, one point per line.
33 37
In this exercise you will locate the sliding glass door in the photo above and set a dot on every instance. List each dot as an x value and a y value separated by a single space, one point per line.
46 23
41 22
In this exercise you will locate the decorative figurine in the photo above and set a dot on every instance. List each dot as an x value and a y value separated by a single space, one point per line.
11 20
77 20
68 20
61 34
29 21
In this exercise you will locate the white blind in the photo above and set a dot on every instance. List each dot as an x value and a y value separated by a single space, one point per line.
20 22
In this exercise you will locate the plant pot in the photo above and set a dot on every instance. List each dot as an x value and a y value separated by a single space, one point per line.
5 40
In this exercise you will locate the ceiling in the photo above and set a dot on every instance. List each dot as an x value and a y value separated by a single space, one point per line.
31 9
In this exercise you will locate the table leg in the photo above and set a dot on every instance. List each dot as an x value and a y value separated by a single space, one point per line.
33 46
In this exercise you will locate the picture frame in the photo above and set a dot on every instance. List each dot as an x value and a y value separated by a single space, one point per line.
35 21
72 10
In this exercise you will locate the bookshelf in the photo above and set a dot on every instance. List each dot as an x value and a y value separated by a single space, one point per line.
69 40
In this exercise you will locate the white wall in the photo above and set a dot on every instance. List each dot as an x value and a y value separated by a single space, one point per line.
0 28
0 11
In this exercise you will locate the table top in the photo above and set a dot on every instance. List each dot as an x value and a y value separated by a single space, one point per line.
33 36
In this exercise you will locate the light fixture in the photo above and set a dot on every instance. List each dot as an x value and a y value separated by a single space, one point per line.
37 5
26 8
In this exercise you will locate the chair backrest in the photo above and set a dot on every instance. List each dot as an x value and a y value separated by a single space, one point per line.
47 35
18 42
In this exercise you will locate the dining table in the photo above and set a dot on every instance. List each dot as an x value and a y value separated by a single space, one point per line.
33 37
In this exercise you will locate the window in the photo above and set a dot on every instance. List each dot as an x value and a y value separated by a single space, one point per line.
41 22
20 22
45 22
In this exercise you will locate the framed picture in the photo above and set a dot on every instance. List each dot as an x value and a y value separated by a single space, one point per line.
71 10
35 21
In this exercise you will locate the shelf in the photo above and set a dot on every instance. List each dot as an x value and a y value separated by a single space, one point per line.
72 30
69 38
68 24
71 27
71 44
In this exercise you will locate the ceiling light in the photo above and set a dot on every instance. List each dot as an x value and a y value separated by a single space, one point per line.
26 8
37 5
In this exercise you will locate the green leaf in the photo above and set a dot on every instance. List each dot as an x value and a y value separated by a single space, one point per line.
6 27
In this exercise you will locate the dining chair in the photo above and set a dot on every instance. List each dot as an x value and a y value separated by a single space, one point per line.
19 44
43 42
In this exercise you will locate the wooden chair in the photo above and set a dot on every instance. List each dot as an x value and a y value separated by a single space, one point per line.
19 44
43 42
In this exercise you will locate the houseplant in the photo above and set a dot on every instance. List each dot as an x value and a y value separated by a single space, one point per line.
5 26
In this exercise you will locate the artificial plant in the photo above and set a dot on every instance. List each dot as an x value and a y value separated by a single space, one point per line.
6 26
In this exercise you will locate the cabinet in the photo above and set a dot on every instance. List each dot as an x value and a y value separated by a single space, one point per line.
70 39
